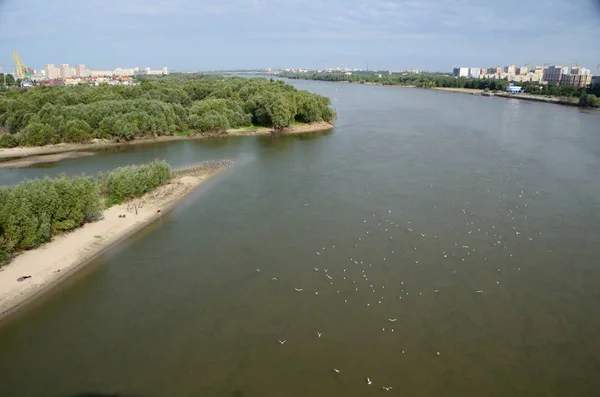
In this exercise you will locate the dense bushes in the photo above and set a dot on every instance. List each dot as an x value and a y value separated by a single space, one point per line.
133 181
157 106
35 210
588 101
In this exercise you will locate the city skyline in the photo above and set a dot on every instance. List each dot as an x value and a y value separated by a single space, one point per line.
253 34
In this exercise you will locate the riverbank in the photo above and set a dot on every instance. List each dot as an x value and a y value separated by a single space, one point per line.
65 150
569 101
60 258
474 91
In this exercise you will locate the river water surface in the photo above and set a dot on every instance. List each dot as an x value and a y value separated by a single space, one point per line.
440 244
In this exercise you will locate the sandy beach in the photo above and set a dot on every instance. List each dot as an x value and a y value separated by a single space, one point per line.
461 90
56 260
66 150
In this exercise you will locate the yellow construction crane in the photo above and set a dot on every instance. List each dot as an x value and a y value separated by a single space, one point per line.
22 69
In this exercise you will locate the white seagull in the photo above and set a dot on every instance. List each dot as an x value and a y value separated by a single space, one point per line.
337 371
392 320
386 388
299 289
319 334
369 381
282 341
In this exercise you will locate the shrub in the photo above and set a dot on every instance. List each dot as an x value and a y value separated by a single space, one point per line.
588 101
133 181
38 134
35 210
77 131
8 140
210 122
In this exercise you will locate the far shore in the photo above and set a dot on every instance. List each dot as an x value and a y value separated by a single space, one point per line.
67 150
55 261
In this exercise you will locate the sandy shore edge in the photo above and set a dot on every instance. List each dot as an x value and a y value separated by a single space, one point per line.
59 259
66 148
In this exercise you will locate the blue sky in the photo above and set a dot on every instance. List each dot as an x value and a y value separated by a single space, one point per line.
230 34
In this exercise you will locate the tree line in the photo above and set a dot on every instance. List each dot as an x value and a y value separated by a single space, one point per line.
34 211
432 80
427 80
175 104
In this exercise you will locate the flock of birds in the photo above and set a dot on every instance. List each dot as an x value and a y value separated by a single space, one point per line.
478 238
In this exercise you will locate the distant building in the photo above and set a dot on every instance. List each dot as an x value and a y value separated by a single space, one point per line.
576 80
81 71
510 69
65 71
149 72
578 76
124 72
578 70
474 72
100 73
483 71
0 68
595 80
522 71
513 89
51 71
461 72
553 74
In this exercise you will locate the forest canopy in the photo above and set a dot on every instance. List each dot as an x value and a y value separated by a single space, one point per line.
176 104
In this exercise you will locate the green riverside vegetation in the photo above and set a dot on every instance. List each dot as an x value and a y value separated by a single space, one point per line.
433 80
34 211
175 104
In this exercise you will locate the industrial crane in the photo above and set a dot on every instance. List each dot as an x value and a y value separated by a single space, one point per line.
23 70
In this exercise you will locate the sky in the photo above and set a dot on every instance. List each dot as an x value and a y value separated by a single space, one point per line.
201 35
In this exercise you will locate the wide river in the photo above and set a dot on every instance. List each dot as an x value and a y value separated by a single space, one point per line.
439 244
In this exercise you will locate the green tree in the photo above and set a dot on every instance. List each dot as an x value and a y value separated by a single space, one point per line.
77 131
38 134
588 101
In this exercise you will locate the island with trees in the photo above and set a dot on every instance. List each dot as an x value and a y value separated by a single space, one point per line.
185 104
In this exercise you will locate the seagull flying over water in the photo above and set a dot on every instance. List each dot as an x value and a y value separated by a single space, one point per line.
337 371
392 320
386 388
319 334
369 381
299 289
282 341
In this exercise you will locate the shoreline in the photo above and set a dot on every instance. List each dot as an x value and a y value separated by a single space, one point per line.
566 101
66 150
59 259
474 91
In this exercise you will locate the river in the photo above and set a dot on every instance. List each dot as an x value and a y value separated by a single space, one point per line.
440 244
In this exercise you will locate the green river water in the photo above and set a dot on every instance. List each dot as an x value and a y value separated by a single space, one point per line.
472 222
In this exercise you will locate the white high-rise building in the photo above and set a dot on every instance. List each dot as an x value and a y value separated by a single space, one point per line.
81 71
51 71
461 72
474 72
65 71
